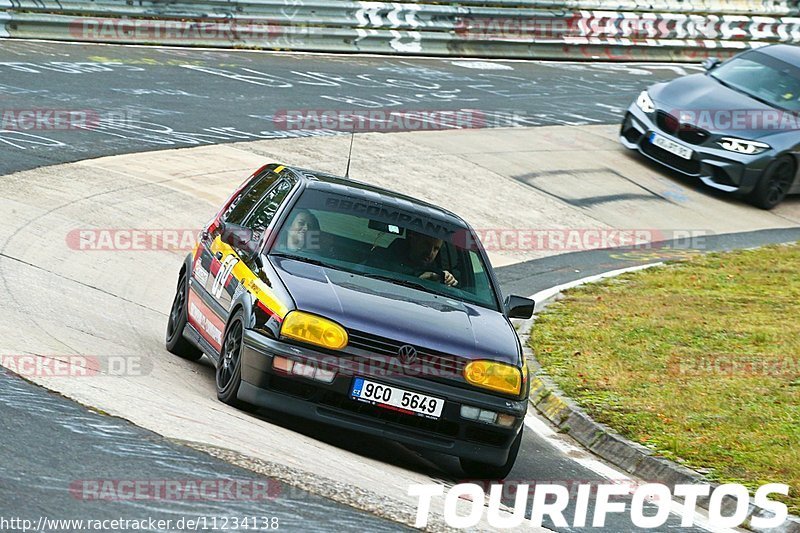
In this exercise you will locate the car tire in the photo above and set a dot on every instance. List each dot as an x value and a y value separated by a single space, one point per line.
175 341
229 364
774 184
479 470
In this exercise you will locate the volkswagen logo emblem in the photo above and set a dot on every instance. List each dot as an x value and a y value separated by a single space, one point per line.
407 354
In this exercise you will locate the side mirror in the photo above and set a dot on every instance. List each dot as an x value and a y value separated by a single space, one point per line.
239 237
519 307
711 63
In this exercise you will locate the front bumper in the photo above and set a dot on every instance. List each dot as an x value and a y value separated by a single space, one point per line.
718 168
264 386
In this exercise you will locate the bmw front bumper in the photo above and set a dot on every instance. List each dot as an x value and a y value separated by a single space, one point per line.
330 403
718 168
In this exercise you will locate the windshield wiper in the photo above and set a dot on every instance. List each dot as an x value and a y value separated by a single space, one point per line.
302 259
403 282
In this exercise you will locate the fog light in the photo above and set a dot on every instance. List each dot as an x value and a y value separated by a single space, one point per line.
505 420
326 376
282 364
304 370
487 417
470 413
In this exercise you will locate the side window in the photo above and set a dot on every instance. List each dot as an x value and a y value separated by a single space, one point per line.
479 283
262 215
242 206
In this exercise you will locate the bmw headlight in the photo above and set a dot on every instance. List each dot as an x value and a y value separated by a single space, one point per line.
742 146
645 103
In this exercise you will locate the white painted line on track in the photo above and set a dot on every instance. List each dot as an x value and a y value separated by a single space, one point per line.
544 295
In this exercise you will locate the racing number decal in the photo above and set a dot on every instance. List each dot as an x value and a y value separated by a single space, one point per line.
225 269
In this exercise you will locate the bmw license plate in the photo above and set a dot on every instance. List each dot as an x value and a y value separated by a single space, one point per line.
670 146
396 399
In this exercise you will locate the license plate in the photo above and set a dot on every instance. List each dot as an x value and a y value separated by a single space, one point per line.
396 399
670 146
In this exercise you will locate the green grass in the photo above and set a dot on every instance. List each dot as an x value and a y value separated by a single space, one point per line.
699 361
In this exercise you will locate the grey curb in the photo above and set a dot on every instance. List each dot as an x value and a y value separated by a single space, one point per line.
633 458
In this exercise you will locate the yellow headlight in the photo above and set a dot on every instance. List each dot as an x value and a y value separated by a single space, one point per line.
495 376
314 329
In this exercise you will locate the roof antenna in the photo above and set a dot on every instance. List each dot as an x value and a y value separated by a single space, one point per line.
350 153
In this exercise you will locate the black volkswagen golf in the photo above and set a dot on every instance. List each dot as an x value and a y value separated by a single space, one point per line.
358 307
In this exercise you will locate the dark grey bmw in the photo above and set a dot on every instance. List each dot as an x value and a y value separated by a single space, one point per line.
735 127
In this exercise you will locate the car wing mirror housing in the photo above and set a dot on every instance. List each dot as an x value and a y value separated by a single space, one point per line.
711 63
239 237
519 307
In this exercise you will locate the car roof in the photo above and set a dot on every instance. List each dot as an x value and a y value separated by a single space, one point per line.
785 52
328 182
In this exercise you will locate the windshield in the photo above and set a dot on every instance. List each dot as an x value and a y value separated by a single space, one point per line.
764 78
403 246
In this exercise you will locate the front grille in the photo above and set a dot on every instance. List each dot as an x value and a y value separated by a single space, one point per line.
692 135
691 166
686 132
667 123
443 364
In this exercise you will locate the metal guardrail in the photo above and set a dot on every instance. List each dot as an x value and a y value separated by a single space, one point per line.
540 29
751 7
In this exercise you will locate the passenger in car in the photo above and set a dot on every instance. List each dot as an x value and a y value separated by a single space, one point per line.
416 255
304 231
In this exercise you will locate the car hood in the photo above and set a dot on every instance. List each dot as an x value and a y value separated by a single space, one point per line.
400 313
709 105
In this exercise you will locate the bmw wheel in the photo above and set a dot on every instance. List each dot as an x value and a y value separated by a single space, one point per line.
774 183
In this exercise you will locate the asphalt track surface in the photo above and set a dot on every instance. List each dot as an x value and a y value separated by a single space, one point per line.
77 464
146 98
170 98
